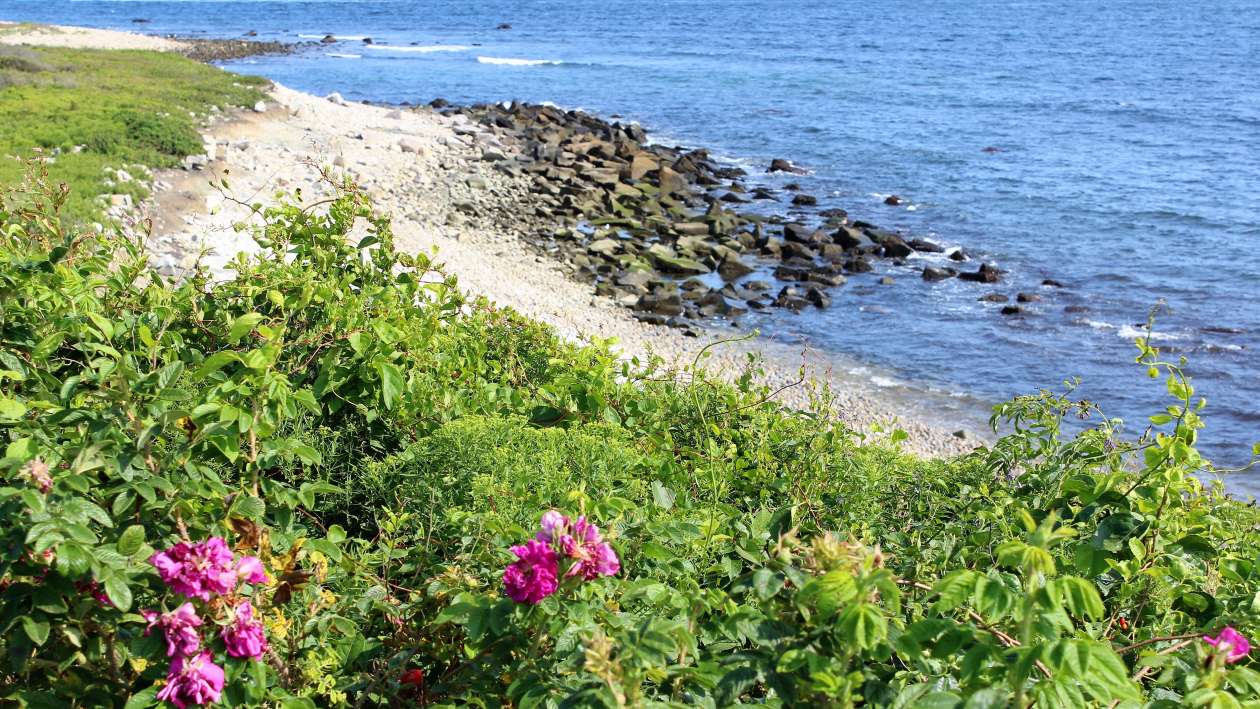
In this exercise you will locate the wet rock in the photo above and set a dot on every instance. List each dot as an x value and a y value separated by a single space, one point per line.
732 198
439 103
805 200
661 303
817 297
792 249
895 246
958 255
604 247
1076 309
826 278
762 193
732 268
851 239
1051 283
671 182
1012 310
802 234
887 281
1027 297
328 39
503 26
893 200
988 273
933 273
960 434
781 165
858 265
993 298
926 247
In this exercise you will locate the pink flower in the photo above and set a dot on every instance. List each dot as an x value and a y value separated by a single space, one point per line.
553 524
197 570
250 569
1230 642
179 627
533 576
39 475
594 556
193 681
244 635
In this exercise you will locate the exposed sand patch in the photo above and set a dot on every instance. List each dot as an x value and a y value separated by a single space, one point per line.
82 38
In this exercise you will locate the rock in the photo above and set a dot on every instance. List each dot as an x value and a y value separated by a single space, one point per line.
503 26
732 198
926 247
394 115
692 228
763 194
120 200
895 247
671 182
335 97
1027 297
633 279
781 165
805 200
817 297
958 255
993 298
328 39
196 162
988 273
641 165
409 144
122 175
1076 309
732 269
849 238
893 200
960 434
793 249
886 281
476 182
339 161
367 40
932 273
802 234
603 247
493 155
1051 283
858 265
661 303
439 103
260 107
1012 310
826 278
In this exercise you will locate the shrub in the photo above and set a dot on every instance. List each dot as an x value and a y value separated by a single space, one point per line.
348 472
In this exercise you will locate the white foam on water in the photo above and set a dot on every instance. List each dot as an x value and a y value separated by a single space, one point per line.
337 55
885 382
505 61
1129 332
425 49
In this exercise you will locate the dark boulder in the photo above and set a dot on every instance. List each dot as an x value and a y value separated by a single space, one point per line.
858 264
805 200
803 234
993 298
895 247
932 273
328 39
988 273
1012 310
732 268
793 249
893 200
503 26
818 297
781 165
925 246
1027 297
1051 283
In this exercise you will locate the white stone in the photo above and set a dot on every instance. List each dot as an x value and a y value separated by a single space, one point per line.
260 107
336 98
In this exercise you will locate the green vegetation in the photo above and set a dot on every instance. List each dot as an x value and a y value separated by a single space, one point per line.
379 442
88 110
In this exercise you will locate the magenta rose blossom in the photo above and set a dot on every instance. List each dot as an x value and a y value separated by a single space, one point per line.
594 556
244 635
532 577
197 570
179 627
250 569
193 681
1232 643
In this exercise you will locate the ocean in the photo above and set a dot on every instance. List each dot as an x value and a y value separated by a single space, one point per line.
1114 147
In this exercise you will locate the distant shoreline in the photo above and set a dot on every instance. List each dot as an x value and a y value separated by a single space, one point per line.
431 173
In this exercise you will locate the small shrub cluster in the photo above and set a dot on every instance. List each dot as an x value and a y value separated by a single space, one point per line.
332 480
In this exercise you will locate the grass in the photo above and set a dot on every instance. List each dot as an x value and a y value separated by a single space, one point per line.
90 110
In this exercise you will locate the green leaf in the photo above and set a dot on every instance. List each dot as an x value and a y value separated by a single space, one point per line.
766 583
242 326
249 507
130 541
391 383
36 630
214 363
11 409
118 592
954 590
1080 597
662 495
863 624
143 699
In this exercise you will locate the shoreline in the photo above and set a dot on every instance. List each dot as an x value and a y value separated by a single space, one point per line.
428 171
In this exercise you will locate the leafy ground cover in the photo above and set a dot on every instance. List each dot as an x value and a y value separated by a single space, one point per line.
88 110
334 480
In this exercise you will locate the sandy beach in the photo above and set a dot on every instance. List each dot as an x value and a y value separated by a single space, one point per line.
425 169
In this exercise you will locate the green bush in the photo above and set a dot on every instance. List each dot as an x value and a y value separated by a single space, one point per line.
344 414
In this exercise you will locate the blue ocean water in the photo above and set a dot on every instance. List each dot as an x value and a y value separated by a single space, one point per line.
1128 161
